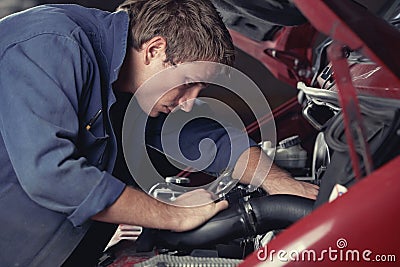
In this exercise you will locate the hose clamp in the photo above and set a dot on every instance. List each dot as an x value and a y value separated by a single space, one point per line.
250 216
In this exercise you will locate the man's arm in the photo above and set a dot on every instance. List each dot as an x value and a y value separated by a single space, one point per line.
253 167
234 150
134 207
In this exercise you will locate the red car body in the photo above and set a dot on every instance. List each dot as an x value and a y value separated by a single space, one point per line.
365 219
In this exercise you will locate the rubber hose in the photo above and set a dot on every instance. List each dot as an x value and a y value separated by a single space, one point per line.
278 211
227 225
246 219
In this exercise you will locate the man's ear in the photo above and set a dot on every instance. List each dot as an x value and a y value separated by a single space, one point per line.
154 49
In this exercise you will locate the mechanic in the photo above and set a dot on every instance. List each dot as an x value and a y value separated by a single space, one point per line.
60 67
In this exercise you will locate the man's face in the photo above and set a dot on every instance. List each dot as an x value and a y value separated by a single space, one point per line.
181 97
173 88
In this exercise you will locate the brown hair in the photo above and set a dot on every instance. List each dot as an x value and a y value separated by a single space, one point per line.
193 29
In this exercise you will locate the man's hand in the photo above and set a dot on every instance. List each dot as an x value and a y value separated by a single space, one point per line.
280 182
195 208
255 167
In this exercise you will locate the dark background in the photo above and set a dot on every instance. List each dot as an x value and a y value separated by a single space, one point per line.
275 91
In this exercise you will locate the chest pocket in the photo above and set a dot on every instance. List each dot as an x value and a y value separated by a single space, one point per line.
93 145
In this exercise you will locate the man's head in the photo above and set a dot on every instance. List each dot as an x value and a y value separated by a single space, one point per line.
170 33
192 29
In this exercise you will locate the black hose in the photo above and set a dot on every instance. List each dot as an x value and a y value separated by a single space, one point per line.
279 211
246 219
227 225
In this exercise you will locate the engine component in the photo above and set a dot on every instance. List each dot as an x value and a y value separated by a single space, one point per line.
288 155
321 157
188 261
241 220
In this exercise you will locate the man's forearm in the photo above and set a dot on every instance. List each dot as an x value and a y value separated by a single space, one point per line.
134 207
256 168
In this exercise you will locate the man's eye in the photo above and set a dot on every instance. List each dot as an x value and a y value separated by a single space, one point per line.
190 84
203 85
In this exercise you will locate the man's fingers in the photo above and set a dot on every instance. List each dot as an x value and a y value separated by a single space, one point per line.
315 186
221 205
311 191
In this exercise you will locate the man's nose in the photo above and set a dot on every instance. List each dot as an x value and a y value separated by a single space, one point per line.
186 104
187 101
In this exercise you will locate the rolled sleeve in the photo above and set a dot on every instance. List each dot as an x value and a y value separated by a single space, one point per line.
103 195
229 142
203 143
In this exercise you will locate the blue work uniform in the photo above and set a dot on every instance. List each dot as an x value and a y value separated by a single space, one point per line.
57 65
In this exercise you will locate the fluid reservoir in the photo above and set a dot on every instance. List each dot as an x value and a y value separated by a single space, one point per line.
290 154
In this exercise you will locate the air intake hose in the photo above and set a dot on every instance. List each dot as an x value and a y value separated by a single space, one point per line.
245 219
279 211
